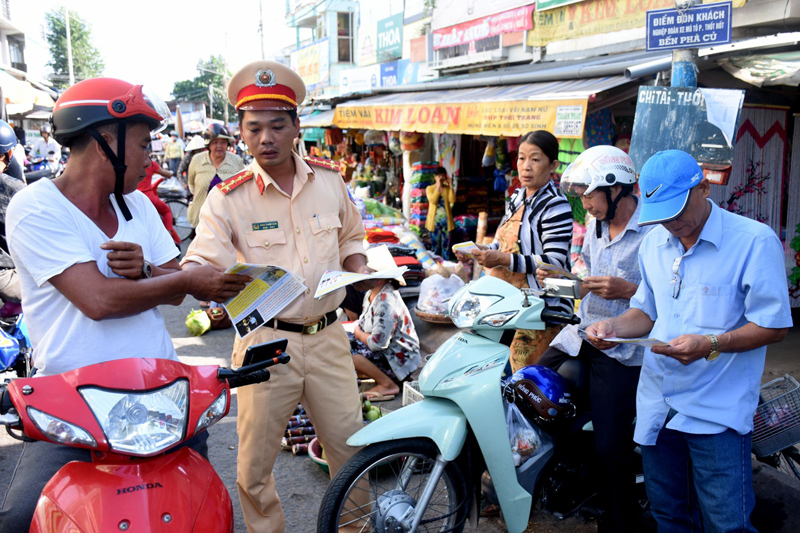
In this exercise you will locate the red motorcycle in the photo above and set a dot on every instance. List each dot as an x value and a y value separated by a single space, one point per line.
129 413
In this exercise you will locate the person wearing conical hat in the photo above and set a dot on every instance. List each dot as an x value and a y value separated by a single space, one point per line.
292 212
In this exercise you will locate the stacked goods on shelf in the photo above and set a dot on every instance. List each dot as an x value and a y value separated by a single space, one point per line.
415 273
421 177
379 215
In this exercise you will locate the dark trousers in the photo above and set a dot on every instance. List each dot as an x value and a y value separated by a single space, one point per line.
39 462
612 394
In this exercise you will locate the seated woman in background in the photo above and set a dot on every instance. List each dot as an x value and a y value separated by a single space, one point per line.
386 346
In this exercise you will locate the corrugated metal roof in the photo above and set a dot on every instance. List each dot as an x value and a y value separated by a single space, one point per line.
557 90
323 119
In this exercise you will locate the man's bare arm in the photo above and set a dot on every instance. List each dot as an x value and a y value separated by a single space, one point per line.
99 297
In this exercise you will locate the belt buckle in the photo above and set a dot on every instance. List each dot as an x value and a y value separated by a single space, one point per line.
313 329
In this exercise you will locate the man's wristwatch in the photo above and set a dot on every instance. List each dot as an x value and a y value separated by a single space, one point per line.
714 353
147 270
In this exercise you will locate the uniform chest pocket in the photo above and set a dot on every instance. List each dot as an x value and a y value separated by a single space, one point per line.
267 247
325 235
718 307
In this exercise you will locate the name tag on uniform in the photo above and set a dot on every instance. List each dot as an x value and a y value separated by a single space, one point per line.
258 226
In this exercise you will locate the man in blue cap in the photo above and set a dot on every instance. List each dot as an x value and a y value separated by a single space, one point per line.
713 286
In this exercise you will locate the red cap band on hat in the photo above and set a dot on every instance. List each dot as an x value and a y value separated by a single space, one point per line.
276 92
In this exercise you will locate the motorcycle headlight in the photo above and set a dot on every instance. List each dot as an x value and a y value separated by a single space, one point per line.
60 430
214 413
141 423
468 306
497 320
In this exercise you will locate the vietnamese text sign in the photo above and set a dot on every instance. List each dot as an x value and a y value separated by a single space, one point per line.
563 117
312 64
593 17
542 5
361 79
695 27
518 19
701 122
390 37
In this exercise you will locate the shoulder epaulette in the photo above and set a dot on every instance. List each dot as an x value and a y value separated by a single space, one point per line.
235 181
322 162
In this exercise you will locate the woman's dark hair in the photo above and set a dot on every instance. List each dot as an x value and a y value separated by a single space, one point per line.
395 284
441 171
545 140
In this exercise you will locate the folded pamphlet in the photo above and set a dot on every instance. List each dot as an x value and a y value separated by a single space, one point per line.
271 290
333 280
555 270
465 248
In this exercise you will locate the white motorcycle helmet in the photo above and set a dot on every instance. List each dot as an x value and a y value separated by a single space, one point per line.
600 166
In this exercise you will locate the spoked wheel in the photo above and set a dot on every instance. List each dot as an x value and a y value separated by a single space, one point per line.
180 221
382 486
789 461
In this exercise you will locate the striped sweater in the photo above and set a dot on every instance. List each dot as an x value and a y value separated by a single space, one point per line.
545 234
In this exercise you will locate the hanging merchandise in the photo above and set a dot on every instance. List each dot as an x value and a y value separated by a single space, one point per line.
412 141
599 128
359 139
374 137
333 136
395 147
500 183
422 175
449 153
490 154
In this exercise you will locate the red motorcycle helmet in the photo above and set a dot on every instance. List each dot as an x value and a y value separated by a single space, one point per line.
92 103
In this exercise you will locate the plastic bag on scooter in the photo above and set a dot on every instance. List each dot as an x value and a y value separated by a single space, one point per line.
434 292
524 438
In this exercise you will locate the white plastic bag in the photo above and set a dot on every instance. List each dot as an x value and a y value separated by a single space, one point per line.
525 440
435 290
171 186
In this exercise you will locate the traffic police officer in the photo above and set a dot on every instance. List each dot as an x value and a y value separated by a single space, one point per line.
295 213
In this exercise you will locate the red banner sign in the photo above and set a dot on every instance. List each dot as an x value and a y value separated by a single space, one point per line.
518 19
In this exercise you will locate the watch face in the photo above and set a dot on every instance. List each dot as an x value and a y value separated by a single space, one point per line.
147 270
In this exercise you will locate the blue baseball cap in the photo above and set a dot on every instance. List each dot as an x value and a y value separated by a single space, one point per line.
665 182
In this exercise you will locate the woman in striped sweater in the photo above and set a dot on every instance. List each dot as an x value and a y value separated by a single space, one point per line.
537 226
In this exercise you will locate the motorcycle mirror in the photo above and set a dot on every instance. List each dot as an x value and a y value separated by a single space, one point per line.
264 352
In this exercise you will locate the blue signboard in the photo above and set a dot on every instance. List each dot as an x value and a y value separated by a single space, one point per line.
695 27
402 72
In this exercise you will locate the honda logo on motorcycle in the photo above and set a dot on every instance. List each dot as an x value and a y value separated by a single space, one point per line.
136 488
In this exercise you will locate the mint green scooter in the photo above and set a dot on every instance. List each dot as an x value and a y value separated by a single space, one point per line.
421 467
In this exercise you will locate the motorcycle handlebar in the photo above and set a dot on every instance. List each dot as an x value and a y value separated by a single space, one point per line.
559 318
251 374
251 378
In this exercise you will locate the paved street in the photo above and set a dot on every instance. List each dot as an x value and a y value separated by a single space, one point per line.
301 483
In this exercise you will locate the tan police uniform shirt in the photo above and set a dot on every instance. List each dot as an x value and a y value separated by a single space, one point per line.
312 231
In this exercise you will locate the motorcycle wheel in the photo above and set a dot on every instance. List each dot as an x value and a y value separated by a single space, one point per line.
372 477
180 222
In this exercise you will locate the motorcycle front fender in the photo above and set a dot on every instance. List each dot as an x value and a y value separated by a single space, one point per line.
433 418
179 491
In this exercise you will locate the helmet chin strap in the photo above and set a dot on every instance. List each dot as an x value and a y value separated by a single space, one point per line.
118 162
612 210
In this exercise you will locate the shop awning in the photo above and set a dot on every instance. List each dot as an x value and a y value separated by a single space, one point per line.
323 119
511 110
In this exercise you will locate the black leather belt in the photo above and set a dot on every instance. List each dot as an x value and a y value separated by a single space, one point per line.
307 329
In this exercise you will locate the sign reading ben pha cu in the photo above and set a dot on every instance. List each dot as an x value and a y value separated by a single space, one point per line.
695 27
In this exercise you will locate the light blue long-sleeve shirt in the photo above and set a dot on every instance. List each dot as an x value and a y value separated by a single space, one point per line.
733 275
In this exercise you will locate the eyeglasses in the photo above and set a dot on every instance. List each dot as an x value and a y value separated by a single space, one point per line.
676 280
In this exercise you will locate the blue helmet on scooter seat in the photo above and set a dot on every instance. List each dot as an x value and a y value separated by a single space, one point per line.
541 393
8 139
